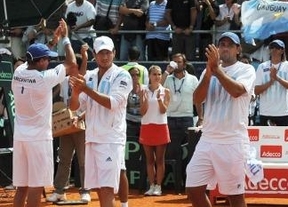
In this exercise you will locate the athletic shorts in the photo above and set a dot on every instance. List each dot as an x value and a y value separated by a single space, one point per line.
123 164
222 164
103 165
33 164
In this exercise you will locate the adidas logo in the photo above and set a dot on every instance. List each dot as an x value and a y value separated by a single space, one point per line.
108 159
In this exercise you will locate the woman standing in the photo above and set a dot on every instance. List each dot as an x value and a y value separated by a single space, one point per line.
154 100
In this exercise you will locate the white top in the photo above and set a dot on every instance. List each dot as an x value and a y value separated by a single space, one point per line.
181 92
224 11
225 117
32 91
105 125
153 115
273 101
84 13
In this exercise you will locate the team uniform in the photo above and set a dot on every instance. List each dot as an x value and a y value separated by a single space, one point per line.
219 154
33 125
105 128
276 93
153 121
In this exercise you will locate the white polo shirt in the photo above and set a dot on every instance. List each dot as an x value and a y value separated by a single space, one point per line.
225 117
32 91
181 92
273 101
107 125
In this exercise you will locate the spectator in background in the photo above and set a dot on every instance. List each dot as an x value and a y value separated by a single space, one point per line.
182 64
43 32
154 100
134 17
208 10
133 57
180 111
133 120
229 14
271 86
157 43
181 15
80 16
102 8
133 116
71 143
139 74
18 48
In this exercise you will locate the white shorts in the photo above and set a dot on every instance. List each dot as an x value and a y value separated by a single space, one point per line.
123 164
33 164
222 164
103 165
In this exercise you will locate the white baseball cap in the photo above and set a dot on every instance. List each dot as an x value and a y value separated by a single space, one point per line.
103 43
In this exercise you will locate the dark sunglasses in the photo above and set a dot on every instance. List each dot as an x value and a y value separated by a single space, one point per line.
277 47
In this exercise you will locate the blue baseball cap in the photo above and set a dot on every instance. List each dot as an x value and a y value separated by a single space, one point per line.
279 43
39 50
232 36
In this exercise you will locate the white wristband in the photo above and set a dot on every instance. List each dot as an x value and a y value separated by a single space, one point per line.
66 41
166 72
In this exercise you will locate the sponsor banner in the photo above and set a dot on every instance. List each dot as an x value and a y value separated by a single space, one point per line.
274 184
6 74
270 143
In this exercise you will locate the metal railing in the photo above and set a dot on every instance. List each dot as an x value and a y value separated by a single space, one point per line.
213 32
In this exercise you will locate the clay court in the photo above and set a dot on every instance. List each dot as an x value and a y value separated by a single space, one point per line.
136 199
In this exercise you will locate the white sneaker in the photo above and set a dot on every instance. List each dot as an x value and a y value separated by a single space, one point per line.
10 187
85 197
56 197
150 191
157 190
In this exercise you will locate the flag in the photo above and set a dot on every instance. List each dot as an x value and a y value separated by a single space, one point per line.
263 18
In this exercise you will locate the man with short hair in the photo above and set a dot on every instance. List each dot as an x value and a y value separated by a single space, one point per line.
103 94
225 88
134 16
181 15
180 111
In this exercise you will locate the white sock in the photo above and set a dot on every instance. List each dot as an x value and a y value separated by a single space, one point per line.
124 204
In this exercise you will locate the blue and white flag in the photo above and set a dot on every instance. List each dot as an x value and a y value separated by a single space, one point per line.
262 18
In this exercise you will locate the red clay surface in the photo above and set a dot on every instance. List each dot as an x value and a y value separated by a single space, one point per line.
136 199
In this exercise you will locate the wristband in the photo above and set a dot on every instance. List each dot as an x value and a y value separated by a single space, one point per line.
66 41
